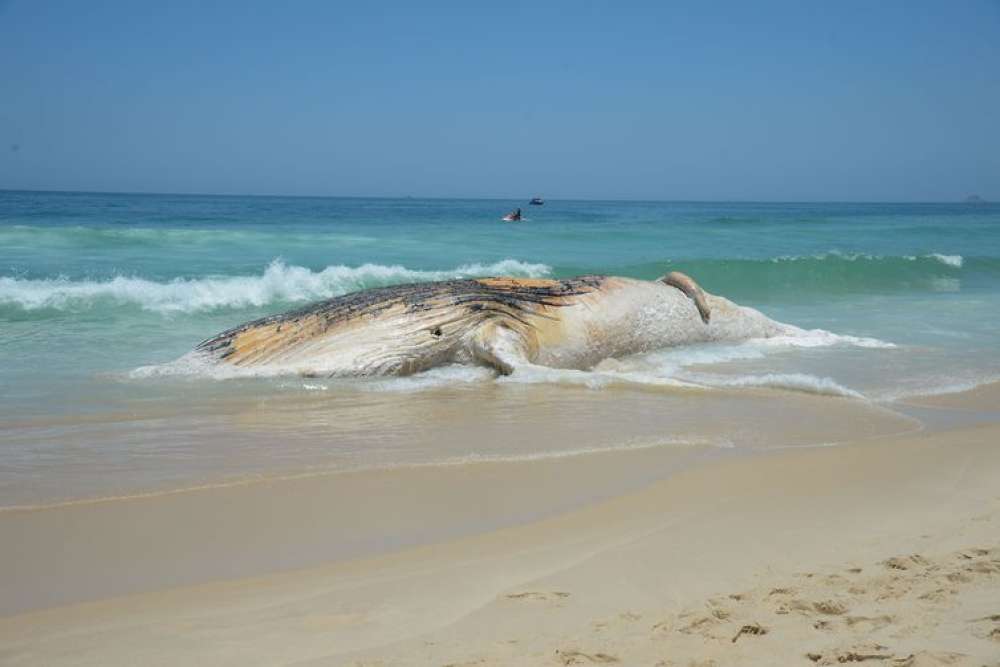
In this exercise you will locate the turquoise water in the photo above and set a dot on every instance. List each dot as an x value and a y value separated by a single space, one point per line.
97 291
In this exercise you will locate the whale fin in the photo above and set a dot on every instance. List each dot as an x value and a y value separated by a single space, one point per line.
686 284
498 347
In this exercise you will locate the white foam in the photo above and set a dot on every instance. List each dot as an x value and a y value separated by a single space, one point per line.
435 378
628 446
796 337
197 366
935 387
801 382
954 261
278 283
950 260
672 360
608 374
670 366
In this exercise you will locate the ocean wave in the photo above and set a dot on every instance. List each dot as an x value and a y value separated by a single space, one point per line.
796 337
800 382
780 277
279 283
830 273
954 261
950 260
935 386
108 238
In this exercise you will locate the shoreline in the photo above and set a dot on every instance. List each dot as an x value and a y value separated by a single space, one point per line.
655 553
234 443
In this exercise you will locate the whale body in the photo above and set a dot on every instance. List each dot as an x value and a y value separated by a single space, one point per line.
498 322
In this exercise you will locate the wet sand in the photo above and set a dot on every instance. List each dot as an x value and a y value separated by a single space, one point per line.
884 549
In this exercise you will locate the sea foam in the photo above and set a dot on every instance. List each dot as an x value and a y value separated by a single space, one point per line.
799 382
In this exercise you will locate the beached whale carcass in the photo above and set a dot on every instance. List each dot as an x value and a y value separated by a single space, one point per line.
497 322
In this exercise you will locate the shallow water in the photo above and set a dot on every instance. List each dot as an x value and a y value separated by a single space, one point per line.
100 293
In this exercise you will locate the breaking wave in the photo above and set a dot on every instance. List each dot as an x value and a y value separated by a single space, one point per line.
279 283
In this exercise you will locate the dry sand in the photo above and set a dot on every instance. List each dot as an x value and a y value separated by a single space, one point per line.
884 551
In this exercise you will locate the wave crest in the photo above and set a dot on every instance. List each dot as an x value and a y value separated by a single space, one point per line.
278 283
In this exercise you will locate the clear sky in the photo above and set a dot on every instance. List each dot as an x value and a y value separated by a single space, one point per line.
799 100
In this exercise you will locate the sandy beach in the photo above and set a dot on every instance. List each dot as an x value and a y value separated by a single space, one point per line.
885 549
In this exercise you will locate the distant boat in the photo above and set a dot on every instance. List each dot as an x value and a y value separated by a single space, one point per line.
537 201
974 199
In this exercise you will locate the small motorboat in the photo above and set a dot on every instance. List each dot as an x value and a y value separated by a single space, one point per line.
536 201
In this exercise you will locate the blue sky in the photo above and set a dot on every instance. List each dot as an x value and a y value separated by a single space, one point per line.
888 101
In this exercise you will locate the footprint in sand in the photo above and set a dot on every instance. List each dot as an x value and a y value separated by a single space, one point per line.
869 623
752 629
882 655
701 625
905 562
826 607
782 591
857 653
987 627
538 595
572 657
939 594
666 625
897 587
983 567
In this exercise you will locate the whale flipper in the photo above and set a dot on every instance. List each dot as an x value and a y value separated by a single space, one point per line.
686 284
497 346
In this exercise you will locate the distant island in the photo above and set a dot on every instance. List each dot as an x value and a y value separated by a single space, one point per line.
974 199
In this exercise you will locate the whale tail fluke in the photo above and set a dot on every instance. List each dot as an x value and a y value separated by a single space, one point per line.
686 284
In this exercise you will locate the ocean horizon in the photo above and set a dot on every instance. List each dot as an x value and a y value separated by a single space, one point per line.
512 198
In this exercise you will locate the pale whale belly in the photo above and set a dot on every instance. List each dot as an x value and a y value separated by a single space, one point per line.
632 317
